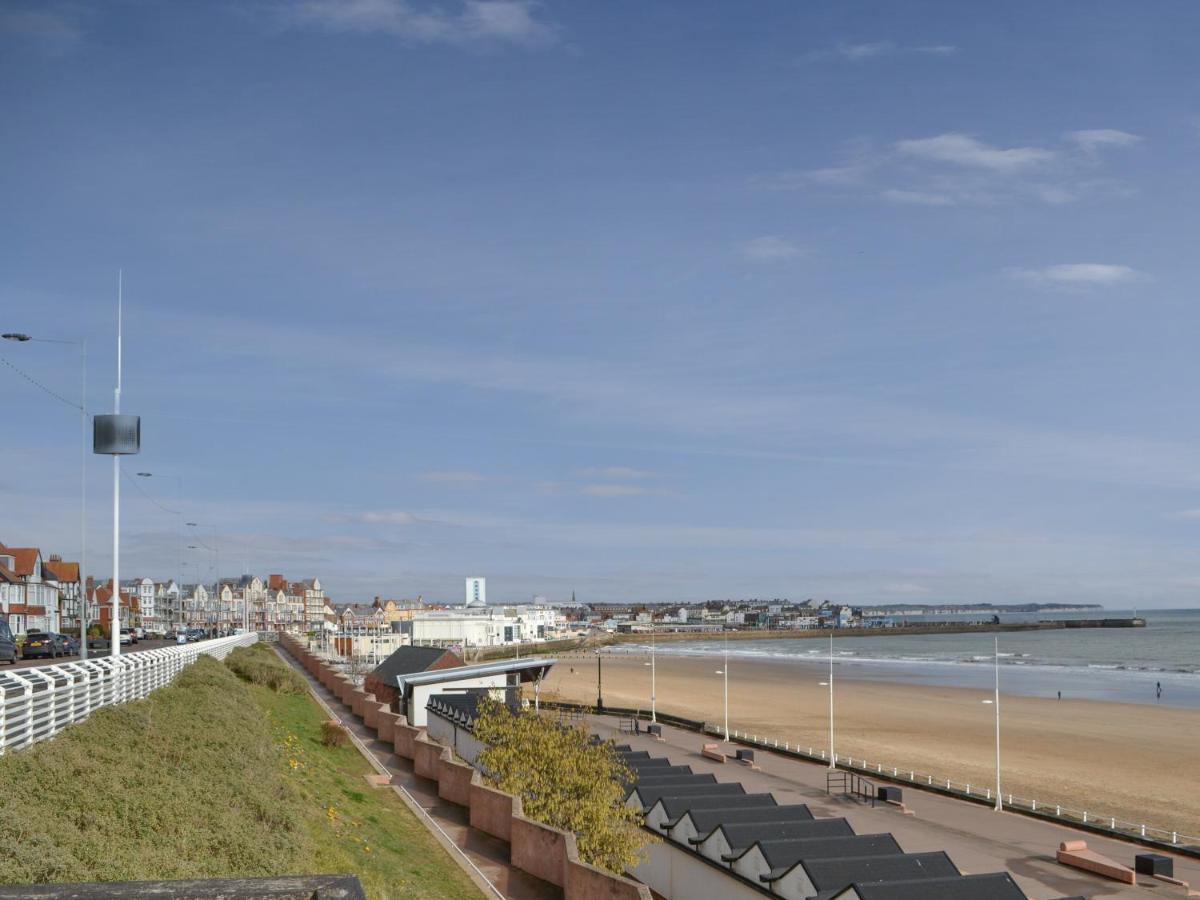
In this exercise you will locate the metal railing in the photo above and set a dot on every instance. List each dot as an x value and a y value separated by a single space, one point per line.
1054 811
39 702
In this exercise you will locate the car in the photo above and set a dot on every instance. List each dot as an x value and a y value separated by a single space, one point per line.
8 644
139 634
195 634
127 636
45 645
70 644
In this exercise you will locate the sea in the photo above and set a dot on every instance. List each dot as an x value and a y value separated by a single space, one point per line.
1158 664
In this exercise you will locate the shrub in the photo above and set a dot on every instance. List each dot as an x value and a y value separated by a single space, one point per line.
563 780
188 783
333 734
259 664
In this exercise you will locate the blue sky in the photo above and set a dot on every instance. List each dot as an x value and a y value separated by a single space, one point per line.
646 301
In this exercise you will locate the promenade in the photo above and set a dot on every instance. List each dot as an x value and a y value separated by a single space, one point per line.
977 838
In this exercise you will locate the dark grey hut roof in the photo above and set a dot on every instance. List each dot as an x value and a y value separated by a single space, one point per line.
832 875
706 820
744 835
995 886
675 807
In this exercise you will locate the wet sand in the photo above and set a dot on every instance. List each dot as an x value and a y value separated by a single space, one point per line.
1136 762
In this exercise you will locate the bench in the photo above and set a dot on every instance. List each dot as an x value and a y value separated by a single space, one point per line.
713 752
1077 855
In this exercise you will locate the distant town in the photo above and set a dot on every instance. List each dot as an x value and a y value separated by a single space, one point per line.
44 593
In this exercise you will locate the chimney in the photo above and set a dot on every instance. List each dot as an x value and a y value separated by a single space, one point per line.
54 557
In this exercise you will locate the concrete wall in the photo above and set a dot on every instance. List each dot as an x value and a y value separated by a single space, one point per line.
464 744
674 872
542 851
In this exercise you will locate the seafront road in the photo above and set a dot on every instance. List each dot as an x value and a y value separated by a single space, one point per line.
977 838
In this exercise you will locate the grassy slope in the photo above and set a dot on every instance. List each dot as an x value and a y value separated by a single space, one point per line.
210 777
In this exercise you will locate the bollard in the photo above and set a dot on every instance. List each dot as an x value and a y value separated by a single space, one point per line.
1174 837
1085 817
989 793
1113 824
1033 805
893 773
912 777
1058 810
1143 831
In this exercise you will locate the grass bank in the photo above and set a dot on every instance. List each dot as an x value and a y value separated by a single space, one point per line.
211 777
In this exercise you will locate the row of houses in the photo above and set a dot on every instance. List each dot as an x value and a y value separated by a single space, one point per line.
46 594
744 614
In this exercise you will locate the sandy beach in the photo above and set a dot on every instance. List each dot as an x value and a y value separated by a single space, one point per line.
1138 763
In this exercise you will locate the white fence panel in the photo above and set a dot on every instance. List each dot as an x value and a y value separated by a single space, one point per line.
39 702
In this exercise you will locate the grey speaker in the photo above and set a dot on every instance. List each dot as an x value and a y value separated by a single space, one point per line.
116 435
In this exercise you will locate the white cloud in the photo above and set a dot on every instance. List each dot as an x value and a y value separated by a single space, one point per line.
918 198
453 477
613 490
964 150
1080 274
616 472
504 21
382 517
858 52
1094 138
767 248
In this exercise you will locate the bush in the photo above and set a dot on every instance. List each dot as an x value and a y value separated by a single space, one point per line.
563 780
259 664
188 783
333 734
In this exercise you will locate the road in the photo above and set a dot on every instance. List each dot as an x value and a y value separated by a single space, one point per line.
139 647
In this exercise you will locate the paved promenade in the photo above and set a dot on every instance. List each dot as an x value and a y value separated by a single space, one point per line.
977 838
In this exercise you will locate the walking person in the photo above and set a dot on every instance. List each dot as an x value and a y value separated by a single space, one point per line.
1158 690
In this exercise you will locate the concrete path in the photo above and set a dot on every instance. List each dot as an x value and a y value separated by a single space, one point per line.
977 838
489 855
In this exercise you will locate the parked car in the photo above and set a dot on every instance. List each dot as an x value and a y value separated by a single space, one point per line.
195 634
70 644
45 645
8 644
127 636
98 642
139 634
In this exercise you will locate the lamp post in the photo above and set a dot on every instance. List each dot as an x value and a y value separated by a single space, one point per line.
724 671
599 693
829 684
83 599
653 699
995 702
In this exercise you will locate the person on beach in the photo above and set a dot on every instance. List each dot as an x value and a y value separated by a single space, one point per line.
1158 690
1060 695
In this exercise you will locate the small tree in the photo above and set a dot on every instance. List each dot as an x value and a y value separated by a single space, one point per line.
563 780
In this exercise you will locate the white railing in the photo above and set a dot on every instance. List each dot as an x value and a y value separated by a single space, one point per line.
979 792
39 702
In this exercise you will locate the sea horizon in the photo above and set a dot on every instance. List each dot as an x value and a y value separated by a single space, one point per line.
1119 664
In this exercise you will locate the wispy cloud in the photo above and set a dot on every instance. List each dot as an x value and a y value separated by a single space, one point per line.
865 50
964 150
768 248
1188 514
56 28
1079 274
625 472
958 169
453 477
496 21
1093 139
613 490
377 517
918 198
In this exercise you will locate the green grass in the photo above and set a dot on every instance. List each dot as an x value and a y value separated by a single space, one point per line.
355 827
210 777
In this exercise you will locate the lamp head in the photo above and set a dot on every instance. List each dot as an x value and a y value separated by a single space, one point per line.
16 336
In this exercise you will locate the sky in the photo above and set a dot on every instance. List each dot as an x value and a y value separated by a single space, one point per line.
858 301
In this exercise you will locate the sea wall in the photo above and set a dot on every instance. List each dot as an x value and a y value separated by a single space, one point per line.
544 852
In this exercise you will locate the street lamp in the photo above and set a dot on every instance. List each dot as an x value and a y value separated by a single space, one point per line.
599 693
829 684
724 671
83 599
999 807
653 708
